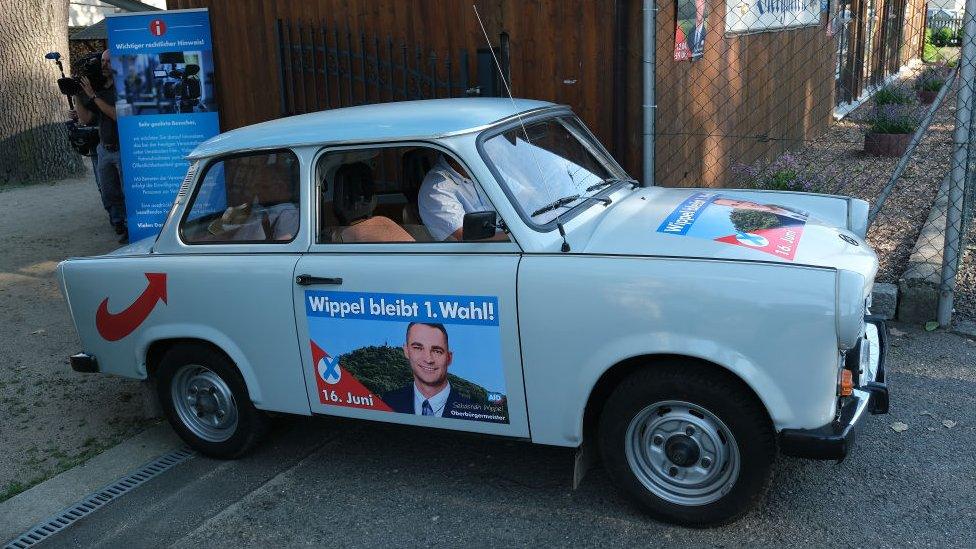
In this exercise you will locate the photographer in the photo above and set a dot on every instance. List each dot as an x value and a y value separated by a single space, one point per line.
99 106
73 115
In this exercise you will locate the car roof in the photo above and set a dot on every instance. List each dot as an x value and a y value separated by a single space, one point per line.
376 122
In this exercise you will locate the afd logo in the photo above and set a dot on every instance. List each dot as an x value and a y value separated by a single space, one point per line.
157 27
328 368
495 397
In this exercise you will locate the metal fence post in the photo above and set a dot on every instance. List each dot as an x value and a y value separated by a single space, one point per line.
961 136
649 19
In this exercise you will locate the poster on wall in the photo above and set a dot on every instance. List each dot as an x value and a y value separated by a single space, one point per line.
166 106
744 16
425 355
766 228
689 30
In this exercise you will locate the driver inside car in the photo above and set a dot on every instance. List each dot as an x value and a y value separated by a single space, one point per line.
445 196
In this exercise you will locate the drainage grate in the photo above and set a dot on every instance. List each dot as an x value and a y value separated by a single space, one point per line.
55 523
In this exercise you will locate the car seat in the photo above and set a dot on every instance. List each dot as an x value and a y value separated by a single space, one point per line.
354 198
415 165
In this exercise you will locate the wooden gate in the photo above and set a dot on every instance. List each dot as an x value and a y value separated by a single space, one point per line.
328 66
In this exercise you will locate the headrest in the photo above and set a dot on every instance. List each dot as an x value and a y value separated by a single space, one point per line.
354 194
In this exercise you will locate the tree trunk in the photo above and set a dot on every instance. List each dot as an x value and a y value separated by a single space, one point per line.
33 140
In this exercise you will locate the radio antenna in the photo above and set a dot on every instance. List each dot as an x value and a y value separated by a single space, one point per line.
525 134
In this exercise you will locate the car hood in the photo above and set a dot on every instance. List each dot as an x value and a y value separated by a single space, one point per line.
784 227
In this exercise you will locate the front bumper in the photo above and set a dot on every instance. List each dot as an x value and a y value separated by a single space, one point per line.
834 440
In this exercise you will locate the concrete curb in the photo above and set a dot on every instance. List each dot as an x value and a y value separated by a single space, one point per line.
26 509
919 286
884 300
965 328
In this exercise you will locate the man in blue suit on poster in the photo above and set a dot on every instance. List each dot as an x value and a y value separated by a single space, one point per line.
696 38
428 351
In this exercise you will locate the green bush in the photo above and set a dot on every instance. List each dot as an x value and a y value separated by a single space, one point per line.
931 79
943 37
747 221
382 369
930 53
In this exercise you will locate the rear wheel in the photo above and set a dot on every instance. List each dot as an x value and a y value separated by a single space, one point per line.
691 445
205 400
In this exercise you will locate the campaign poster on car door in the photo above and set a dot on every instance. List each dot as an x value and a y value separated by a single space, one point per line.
766 228
164 80
427 355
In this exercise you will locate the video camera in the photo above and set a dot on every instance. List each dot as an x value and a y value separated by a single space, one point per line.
181 86
83 139
89 66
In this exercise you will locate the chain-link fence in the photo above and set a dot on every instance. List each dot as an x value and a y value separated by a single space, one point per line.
851 97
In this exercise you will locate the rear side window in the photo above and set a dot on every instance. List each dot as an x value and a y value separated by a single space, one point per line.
250 198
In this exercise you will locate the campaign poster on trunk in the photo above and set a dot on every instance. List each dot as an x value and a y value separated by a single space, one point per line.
766 228
166 106
427 355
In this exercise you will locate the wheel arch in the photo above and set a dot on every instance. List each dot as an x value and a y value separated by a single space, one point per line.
612 376
157 349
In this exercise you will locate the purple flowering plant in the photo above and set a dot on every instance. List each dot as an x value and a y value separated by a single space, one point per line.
783 174
893 118
894 95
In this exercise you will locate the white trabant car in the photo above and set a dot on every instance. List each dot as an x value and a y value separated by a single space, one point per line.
484 265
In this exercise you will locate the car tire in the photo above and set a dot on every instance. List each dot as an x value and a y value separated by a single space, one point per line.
691 445
206 401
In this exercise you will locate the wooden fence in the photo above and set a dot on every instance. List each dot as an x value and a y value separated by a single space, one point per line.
325 66
750 96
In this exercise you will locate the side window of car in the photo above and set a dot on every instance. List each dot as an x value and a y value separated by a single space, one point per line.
394 195
250 198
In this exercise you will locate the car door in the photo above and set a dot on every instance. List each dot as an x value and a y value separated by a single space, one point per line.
412 332
228 268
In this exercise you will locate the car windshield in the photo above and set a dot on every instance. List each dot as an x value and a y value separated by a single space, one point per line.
559 160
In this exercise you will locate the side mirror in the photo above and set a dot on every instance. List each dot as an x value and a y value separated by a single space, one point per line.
478 226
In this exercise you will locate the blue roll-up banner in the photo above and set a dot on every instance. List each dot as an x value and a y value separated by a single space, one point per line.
164 77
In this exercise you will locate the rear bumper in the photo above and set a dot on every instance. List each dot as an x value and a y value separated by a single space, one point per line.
834 440
84 363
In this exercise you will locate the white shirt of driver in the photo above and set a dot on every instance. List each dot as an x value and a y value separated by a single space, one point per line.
437 402
445 196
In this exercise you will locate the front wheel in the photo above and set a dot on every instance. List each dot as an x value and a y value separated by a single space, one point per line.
689 444
205 400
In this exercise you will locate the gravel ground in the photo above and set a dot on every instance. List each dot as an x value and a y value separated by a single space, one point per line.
836 163
52 417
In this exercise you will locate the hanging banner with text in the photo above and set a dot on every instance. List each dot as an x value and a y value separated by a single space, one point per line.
166 106
746 16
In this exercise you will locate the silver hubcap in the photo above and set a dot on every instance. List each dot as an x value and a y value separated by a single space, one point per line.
204 403
682 453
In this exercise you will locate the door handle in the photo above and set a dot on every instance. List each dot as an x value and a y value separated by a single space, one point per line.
309 280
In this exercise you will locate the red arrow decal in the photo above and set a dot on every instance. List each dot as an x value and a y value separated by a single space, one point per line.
114 327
